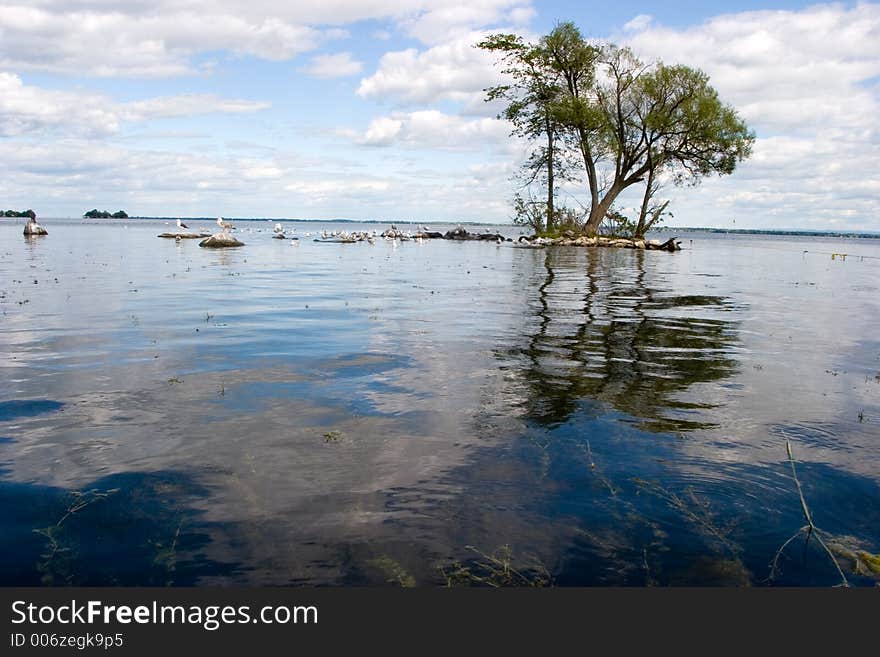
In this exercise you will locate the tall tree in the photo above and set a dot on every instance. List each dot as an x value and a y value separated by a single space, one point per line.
663 118
531 95
630 121
573 61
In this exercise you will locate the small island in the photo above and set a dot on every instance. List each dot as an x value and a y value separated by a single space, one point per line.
104 214
15 213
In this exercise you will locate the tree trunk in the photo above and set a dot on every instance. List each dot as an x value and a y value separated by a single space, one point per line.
551 215
590 165
599 210
643 214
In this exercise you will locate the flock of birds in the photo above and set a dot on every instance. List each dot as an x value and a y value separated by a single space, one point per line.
392 235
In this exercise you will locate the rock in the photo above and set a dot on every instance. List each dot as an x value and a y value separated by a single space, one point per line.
220 240
460 234
33 228
184 236
456 234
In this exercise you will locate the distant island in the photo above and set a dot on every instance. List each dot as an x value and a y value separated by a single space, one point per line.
103 214
794 232
16 213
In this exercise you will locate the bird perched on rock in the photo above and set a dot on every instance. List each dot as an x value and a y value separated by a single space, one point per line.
180 224
225 225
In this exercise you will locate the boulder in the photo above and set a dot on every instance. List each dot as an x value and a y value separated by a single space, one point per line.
456 234
462 235
220 240
33 228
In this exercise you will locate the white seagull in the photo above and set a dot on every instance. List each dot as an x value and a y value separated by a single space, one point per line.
225 225
180 224
278 229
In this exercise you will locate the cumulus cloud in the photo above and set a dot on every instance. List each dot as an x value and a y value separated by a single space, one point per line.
27 110
638 23
448 20
806 82
64 174
783 69
338 65
436 130
454 70
155 39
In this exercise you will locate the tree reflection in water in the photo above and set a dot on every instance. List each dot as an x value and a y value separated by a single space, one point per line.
605 333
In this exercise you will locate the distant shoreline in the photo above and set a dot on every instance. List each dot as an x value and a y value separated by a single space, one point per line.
759 231
795 232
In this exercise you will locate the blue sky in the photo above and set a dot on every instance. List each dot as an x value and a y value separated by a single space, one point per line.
372 109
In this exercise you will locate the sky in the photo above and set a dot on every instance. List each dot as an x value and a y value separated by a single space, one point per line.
374 109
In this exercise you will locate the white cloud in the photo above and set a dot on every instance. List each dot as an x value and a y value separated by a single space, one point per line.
382 131
640 22
805 81
448 20
160 38
27 110
337 65
433 129
77 173
454 70
782 68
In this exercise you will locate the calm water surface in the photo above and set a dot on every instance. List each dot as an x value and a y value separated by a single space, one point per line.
355 415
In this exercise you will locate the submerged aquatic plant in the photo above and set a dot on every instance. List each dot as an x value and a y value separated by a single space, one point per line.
57 561
809 530
394 573
496 570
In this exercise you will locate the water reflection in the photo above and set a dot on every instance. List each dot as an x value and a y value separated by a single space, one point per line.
398 416
123 530
621 341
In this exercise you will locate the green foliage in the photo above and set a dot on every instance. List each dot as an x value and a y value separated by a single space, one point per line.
103 214
16 213
617 224
532 213
630 122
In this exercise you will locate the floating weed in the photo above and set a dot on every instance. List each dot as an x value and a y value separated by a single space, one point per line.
166 556
809 530
394 573
588 451
57 562
858 560
174 380
496 570
332 436
694 509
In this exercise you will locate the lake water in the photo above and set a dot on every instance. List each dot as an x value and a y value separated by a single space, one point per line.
437 413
